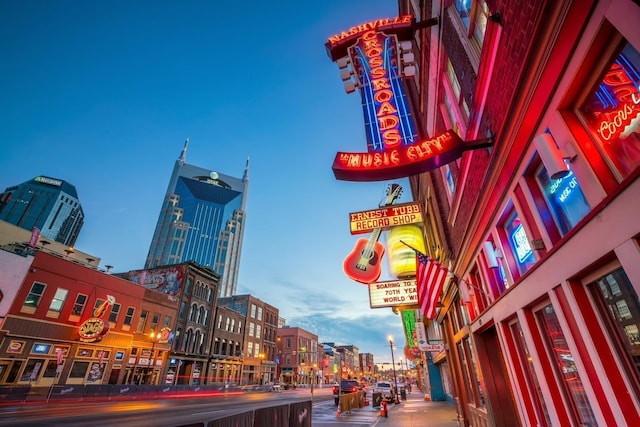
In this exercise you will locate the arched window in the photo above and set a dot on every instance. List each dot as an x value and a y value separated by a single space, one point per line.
201 315
196 342
188 340
192 314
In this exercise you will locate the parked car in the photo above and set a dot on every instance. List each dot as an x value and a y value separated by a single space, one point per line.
345 387
384 388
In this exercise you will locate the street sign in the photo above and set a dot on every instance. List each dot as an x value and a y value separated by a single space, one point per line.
434 347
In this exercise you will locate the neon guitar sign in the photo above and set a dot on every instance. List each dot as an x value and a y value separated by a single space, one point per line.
363 262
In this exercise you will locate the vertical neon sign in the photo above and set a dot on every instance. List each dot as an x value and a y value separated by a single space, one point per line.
388 121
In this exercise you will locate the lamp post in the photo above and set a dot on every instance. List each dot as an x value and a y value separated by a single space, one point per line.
395 380
154 338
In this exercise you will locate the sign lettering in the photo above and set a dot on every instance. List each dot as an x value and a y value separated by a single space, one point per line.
367 221
393 293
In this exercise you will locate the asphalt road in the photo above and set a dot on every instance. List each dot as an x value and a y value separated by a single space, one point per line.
154 413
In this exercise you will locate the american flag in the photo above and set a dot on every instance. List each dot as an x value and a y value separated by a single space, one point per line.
430 279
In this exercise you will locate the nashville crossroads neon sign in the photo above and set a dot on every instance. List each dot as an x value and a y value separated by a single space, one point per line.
395 148
388 120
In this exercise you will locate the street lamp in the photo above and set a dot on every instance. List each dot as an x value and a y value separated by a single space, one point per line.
262 356
155 337
393 365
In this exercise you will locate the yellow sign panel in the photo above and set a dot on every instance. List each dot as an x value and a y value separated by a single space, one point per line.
385 217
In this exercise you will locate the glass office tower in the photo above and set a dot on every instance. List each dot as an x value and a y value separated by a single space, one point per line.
49 204
202 220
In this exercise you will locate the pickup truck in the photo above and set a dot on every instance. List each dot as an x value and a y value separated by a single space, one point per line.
345 387
384 388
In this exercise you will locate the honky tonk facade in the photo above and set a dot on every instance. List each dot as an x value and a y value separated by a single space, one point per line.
540 317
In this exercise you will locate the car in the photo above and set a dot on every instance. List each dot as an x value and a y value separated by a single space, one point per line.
384 388
345 387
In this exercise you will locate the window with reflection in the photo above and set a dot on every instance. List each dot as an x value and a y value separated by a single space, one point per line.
519 243
612 111
565 199
566 366
618 304
530 374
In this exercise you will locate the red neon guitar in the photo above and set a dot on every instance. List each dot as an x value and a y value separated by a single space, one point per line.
363 262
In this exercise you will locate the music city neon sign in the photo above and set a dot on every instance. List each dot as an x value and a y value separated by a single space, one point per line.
395 148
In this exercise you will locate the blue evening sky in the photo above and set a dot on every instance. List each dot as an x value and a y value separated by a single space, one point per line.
103 94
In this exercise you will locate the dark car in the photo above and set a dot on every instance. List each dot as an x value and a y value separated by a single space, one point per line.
346 386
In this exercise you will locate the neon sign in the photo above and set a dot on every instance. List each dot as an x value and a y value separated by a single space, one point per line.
376 25
620 91
426 155
395 147
521 244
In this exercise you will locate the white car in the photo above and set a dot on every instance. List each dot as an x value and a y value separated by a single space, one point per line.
384 388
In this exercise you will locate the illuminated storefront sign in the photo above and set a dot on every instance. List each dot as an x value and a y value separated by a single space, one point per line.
613 111
395 147
401 242
367 221
94 328
393 293
521 244
50 181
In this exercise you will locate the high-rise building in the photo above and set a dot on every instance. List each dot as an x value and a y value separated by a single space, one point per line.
49 204
202 220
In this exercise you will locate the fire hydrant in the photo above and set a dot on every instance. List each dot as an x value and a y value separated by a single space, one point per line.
383 408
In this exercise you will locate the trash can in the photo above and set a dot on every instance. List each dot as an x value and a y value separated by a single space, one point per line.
403 394
376 399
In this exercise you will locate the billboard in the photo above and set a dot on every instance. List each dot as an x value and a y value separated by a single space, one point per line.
166 280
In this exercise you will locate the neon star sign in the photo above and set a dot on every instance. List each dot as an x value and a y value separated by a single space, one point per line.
395 148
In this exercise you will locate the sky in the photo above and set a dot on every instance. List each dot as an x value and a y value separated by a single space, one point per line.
103 94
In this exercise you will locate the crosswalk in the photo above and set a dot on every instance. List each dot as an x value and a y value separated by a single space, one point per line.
327 412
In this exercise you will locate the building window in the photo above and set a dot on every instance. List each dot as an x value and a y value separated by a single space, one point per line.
78 306
611 110
128 318
79 370
564 198
115 310
249 349
530 377
473 15
252 329
253 311
619 305
183 310
142 321
519 243
154 321
33 298
259 313
58 300
565 362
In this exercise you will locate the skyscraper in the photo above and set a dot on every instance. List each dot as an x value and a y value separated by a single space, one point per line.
49 204
202 220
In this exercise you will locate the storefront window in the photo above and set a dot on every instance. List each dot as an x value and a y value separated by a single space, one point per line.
612 111
622 311
519 242
567 368
530 374
79 369
565 199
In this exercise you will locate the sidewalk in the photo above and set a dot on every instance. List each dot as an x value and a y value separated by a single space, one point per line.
416 412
